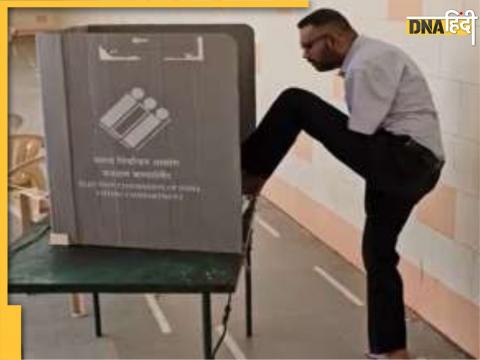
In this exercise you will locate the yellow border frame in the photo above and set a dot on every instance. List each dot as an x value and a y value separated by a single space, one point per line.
10 315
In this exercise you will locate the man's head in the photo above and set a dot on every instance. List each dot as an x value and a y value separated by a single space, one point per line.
325 37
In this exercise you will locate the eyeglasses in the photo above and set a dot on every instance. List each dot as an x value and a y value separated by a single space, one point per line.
312 42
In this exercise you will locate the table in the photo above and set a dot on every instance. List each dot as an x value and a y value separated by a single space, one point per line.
37 267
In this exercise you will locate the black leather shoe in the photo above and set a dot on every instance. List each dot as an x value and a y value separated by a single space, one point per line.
252 184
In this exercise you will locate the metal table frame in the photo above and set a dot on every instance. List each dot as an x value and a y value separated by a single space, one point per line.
21 283
206 311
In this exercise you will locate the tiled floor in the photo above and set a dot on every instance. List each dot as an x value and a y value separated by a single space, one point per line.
308 301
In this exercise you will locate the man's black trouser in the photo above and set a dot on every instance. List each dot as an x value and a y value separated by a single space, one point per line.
398 173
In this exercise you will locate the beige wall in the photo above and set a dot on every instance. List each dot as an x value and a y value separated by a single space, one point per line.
31 20
440 244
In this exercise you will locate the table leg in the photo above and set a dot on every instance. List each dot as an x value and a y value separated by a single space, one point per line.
248 291
77 305
207 325
96 312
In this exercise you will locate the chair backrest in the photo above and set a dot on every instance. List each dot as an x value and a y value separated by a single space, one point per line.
24 161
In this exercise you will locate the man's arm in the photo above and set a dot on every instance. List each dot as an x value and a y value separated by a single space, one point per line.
371 91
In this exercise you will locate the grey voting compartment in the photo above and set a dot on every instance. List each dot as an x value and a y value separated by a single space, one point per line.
143 127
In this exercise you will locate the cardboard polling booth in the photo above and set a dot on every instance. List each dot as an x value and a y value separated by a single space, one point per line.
143 125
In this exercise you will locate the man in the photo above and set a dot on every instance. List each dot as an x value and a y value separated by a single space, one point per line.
391 138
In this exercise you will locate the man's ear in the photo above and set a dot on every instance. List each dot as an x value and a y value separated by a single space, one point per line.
331 41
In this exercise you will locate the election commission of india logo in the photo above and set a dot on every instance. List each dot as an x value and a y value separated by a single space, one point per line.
460 23
134 120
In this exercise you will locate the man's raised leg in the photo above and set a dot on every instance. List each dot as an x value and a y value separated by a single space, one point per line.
293 111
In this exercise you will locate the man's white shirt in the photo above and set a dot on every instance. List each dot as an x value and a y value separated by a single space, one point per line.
385 89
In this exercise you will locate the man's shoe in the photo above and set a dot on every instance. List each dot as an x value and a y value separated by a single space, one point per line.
252 184
396 354
375 356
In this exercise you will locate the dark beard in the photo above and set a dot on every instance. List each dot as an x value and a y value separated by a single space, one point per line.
324 66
